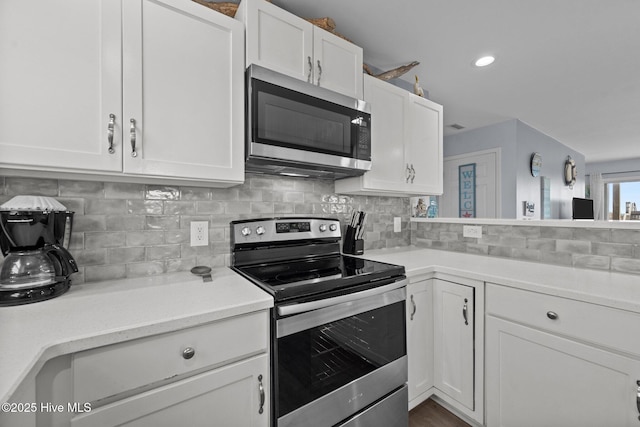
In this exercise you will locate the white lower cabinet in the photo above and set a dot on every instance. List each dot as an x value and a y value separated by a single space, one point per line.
229 396
420 340
211 374
454 323
558 362
445 326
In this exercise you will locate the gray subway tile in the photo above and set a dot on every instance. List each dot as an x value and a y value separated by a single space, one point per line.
591 261
123 190
573 246
32 186
625 265
105 206
162 222
163 252
94 273
149 268
125 222
144 207
104 239
125 255
145 238
162 192
89 223
81 188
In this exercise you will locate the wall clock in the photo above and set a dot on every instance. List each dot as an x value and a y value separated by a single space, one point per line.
570 172
536 164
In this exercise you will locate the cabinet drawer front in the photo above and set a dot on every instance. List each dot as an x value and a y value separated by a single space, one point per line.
594 323
110 370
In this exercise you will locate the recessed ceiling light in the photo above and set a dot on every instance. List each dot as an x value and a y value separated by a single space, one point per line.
484 61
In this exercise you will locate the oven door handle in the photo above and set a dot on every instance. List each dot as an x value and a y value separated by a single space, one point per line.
287 310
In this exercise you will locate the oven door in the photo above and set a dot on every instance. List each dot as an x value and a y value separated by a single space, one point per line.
340 355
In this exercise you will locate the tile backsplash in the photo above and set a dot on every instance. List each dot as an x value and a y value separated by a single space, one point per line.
128 230
614 249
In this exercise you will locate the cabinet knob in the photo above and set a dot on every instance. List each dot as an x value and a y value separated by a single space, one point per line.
552 315
188 353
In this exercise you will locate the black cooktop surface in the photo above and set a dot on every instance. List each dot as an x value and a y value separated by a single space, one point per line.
308 277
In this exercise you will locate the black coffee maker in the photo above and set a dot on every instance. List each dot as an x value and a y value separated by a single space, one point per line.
34 233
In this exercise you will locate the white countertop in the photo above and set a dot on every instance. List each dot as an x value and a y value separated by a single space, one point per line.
96 314
615 290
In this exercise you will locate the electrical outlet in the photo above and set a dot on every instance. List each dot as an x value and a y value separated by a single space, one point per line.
472 231
199 233
397 224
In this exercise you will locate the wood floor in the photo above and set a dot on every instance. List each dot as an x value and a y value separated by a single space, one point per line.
430 414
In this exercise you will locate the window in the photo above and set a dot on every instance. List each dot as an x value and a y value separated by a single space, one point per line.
622 200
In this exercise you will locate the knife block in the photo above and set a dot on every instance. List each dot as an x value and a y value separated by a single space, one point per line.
351 245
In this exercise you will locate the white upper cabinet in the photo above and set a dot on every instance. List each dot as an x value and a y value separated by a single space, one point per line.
183 87
148 88
406 144
288 44
60 79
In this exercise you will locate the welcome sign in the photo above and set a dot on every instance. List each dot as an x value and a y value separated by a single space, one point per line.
467 190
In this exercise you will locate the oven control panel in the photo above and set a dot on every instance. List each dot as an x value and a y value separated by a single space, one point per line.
280 229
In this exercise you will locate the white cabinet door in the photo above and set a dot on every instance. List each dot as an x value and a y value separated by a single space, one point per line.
420 340
183 91
424 145
288 44
406 144
534 378
454 323
277 39
60 79
234 395
337 64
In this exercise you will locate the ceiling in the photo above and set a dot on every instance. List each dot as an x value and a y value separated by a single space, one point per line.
569 68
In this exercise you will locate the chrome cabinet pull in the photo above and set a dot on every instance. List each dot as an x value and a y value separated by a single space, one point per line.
310 70
110 126
413 173
133 138
408 173
638 397
464 312
262 396
319 72
552 315
413 303
188 353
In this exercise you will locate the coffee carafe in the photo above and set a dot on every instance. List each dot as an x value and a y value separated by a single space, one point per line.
34 234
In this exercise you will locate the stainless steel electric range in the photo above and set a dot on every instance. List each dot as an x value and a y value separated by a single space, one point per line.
338 355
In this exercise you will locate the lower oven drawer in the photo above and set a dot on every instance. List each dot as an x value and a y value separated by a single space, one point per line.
391 411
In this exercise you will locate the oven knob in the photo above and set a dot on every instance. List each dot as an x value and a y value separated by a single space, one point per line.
260 230
323 228
333 227
245 231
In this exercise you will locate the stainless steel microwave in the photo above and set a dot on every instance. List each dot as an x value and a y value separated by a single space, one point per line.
296 128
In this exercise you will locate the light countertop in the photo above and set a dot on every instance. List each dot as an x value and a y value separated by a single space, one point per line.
615 290
101 313
97 314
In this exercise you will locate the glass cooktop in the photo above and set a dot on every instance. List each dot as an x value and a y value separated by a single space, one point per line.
302 278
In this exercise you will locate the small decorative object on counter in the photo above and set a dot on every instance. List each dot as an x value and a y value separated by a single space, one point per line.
417 89
424 207
353 243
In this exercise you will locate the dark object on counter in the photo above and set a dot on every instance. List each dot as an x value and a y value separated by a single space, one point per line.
353 243
36 264
202 271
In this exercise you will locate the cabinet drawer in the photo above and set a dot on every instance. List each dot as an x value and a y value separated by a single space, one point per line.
110 370
605 326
